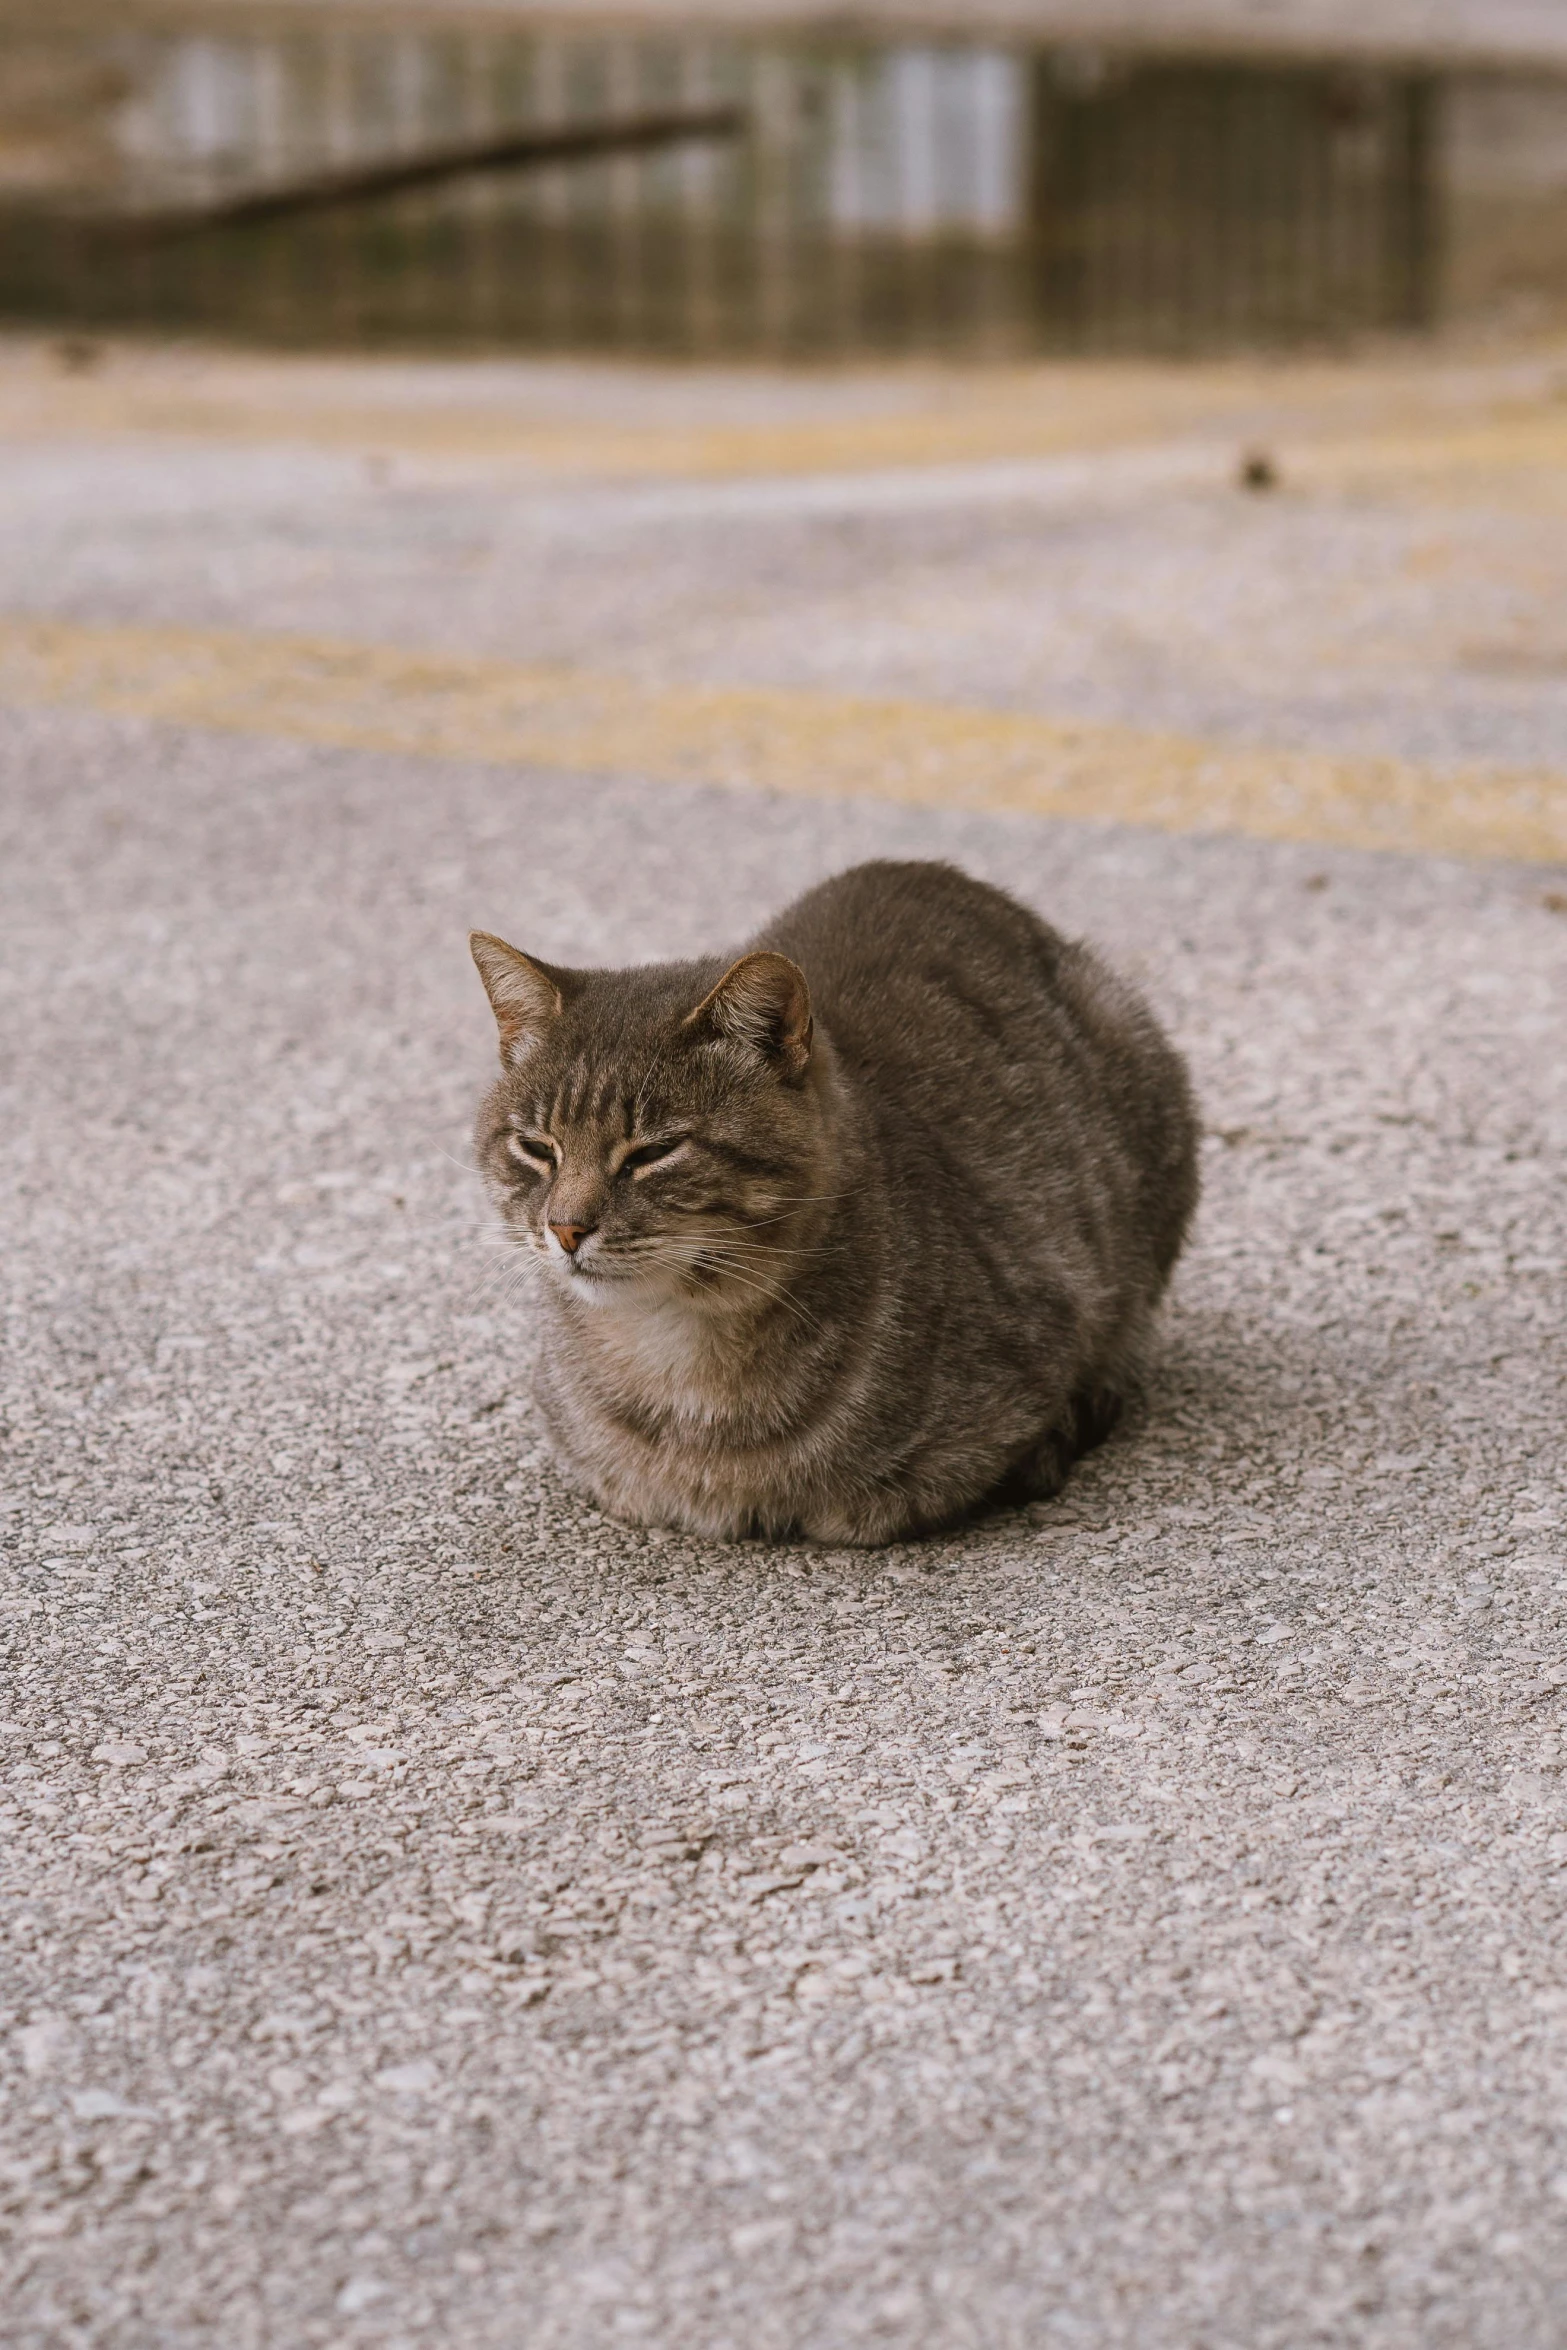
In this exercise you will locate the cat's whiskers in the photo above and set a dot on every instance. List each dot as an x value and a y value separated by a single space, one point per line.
715 1257
501 1282
777 1252
515 1259
689 1251
811 1199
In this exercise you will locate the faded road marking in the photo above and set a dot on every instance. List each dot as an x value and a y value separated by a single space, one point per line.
425 705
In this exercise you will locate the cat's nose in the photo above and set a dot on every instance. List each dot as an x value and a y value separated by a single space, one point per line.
571 1236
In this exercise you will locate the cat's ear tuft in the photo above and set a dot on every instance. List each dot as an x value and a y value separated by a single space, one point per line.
526 997
762 1001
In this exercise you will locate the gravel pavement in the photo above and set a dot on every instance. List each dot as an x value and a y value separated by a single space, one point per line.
438 1918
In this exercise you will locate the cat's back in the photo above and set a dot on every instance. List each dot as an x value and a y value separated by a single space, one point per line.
918 963
995 1056
887 920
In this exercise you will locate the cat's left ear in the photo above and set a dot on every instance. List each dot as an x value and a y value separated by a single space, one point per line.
762 1001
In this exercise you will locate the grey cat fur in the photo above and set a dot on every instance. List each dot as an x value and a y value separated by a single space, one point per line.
905 1183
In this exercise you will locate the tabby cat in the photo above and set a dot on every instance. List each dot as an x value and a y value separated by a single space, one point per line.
849 1236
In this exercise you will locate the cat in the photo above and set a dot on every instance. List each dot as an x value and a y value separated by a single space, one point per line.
847 1237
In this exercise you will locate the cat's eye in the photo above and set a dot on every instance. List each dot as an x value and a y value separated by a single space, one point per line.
534 1150
648 1154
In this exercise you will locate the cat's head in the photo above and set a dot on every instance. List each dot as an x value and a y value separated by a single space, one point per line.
655 1131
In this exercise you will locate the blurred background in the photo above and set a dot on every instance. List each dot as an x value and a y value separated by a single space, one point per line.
996 177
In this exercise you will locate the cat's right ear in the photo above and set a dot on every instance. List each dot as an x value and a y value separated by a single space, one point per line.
527 998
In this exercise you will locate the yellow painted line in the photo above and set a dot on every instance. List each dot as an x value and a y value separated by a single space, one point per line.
1357 424
618 421
1056 421
637 421
383 698
1506 463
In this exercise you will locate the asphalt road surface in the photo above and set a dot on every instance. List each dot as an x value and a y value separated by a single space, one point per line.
439 1918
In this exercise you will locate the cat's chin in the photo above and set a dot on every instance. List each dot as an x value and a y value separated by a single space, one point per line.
594 1285
607 1284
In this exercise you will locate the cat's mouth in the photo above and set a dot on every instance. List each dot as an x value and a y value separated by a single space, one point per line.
610 1278
590 1272
580 1268
658 1271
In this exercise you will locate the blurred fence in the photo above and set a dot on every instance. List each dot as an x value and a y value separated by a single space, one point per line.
719 194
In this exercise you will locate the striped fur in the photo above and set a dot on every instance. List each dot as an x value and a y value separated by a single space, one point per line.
862 1231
